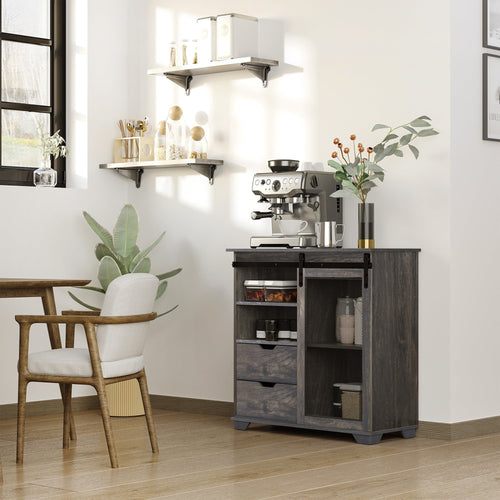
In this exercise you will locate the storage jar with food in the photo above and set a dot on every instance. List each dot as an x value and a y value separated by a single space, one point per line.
281 291
255 290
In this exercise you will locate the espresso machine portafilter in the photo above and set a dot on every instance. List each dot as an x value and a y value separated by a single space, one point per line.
301 196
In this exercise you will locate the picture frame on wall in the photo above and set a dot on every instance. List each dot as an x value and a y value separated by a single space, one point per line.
491 24
491 97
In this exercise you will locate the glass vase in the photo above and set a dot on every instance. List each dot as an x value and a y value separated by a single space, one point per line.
45 176
366 225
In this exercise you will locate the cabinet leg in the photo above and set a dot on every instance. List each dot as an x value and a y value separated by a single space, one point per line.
363 439
408 433
241 426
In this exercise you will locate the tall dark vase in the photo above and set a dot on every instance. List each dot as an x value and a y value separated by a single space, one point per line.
366 225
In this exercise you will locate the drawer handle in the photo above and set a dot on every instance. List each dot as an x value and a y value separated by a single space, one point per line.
267 384
267 346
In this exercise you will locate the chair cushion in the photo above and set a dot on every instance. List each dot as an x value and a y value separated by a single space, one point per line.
76 363
133 293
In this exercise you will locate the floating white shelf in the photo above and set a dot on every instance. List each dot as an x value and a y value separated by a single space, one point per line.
134 170
183 75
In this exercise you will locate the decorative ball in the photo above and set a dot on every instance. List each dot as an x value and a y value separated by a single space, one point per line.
197 133
162 128
175 113
201 118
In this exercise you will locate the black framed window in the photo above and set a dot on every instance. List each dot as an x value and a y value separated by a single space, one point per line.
33 85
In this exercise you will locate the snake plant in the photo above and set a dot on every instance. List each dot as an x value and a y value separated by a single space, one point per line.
119 254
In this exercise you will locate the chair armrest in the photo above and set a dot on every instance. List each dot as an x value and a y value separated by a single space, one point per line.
80 313
96 320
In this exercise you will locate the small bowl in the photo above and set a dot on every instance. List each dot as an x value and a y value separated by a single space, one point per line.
283 165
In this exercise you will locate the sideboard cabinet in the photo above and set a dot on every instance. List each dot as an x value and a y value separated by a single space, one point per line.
300 383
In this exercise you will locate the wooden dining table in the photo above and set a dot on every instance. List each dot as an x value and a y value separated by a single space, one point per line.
43 288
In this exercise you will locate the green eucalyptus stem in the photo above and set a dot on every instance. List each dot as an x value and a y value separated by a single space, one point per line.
361 175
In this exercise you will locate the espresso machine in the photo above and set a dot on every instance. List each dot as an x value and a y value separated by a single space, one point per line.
295 195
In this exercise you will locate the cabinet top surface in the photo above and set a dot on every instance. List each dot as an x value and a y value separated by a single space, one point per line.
314 250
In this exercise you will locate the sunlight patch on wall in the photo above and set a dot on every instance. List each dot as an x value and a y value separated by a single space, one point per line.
195 192
164 186
77 126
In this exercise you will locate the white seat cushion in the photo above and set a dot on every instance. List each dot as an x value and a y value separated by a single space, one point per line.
76 363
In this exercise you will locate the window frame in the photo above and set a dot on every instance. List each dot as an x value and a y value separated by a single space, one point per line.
23 176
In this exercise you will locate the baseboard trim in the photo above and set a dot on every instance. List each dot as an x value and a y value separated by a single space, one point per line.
432 430
459 430
189 405
49 407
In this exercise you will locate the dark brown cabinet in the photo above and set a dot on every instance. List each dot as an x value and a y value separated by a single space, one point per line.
366 389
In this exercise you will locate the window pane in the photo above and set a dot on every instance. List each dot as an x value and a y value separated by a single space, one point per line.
21 132
25 73
26 17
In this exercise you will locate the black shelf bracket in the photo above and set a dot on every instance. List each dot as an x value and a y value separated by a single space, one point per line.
135 175
183 81
206 170
259 71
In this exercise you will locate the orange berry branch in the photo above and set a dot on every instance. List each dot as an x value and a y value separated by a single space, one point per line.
359 176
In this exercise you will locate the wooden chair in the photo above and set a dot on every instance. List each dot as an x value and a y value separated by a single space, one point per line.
114 353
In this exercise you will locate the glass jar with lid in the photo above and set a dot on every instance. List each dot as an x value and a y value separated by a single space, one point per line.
176 134
344 324
160 141
172 57
198 145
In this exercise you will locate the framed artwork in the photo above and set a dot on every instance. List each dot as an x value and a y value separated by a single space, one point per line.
491 97
491 24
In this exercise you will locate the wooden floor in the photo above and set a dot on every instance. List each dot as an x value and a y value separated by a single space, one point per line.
203 457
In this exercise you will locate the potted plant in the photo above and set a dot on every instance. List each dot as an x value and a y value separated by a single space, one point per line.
119 254
359 171
51 145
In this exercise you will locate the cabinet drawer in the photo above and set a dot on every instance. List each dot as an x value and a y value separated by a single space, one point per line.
278 401
272 363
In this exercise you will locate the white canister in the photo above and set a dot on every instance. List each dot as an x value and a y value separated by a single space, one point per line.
237 36
358 321
206 39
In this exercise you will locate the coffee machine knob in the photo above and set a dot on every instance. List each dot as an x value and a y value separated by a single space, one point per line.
314 181
276 185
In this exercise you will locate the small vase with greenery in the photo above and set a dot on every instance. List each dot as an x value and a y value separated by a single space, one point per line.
51 145
119 254
359 171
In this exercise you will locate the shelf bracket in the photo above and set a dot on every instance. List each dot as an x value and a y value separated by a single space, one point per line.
134 175
259 71
183 81
206 170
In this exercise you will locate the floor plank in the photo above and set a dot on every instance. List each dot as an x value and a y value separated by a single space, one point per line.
203 457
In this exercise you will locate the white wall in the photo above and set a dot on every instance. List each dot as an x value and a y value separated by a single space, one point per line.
475 208
344 66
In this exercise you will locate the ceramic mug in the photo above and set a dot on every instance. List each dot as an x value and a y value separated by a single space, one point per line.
290 227
329 234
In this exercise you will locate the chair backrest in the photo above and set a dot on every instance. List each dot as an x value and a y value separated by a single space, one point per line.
133 293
